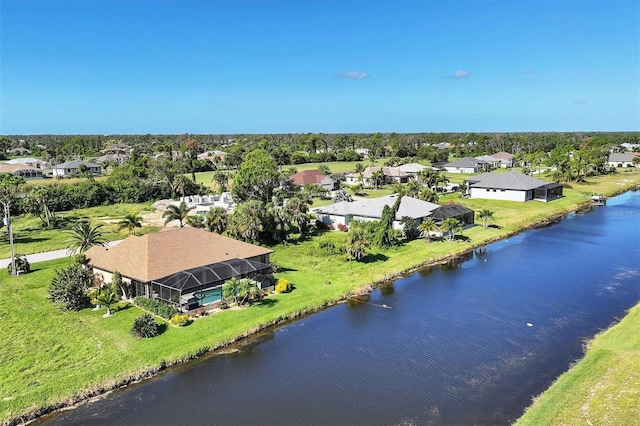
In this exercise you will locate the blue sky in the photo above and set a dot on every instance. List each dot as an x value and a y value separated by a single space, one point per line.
273 66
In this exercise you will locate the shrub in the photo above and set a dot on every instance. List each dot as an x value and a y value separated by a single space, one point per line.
145 326
179 320
68 289
342 227
283 285
329 248
157 307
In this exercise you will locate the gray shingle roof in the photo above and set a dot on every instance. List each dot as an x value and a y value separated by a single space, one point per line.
510 180
466 162
409 206
620 157
75 164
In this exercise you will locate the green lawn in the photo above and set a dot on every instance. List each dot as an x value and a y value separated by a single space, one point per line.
50 357
602 389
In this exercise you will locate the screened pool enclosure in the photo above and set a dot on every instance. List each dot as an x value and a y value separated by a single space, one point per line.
201 286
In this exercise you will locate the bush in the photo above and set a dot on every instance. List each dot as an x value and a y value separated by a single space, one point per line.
342 227
145 326
283 285
68 289
179 320
157 307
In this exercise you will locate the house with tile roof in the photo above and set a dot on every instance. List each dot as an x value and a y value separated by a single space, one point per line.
185 267
512 186
390 175
21 170
313 177
623 159
467 165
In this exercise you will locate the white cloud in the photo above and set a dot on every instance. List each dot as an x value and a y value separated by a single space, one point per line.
354 75
458 75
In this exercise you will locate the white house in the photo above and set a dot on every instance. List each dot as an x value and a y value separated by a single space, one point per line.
622 160
71 168
313 177
512 186
344 212
467 165
30 161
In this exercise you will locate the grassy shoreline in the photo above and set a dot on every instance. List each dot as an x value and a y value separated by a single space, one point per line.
64 358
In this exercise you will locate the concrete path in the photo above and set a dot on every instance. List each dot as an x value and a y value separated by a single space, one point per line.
48 255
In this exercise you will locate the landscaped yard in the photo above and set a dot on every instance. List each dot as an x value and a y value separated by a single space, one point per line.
48 356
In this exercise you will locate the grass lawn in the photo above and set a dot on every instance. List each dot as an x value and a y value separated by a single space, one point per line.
51 357
602 389
29 238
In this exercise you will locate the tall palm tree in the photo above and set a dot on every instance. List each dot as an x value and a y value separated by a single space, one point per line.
426 227
131 221
231 289
178 213
84 235
452 226
486 215
377 177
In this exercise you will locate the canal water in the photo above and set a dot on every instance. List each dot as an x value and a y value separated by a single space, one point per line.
469 342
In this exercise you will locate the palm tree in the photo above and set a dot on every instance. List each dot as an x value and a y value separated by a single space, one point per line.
231 289
360 171
452 226
181 183
247 289
107 297
216 220
131 221
83 235
178 213
356 244
377 177
486 215
426 227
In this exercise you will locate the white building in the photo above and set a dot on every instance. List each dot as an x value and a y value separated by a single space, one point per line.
71 168
512 186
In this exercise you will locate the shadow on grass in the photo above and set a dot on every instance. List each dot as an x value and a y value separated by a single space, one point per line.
162 327
265 303
25 240
371 258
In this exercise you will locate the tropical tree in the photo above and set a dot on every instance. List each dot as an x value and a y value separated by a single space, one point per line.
280 219
130 222
180 184
408 227
247 221
84 235
486 215
37 203
426 227
222 180
247 289
216 220
377 178
412 188
298 207
231 289
428 194
107 297
451 226
359 170
195 221
179 213
257 178
357 243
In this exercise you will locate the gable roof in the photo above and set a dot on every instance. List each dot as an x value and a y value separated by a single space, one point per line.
157 255
621 157
372 208
307 177
10 168
511 180
412 168
503 155
466 162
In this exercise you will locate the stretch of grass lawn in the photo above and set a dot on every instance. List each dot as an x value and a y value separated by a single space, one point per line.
602 389
48 357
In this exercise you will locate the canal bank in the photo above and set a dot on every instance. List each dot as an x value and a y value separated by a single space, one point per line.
296 314
466 342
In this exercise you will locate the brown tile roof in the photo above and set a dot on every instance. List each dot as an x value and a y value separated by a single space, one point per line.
160 254
10 168
307 177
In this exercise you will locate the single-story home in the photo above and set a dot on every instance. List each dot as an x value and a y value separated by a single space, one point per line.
412 168
71 168
313 177
467 165
623 160
512 186
507 159
117 157
30 161
22 170
390 175
185 267
344 212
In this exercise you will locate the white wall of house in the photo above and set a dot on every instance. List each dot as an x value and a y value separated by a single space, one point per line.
621 164
461 169
498 194
108 276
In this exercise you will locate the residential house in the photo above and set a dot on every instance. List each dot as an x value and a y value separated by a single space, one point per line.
412 169
185 267
70 168
117 157
623 160
21 170
30 161
390 175
506 158
344 212
512 186
313 177
466 165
